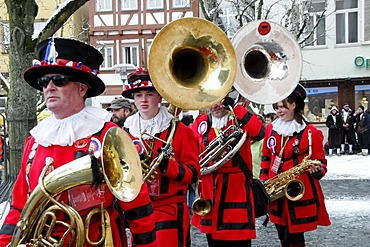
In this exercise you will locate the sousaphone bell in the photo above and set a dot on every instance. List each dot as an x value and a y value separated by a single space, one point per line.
269 62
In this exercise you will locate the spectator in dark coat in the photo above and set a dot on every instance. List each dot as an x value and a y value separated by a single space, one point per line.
334 123
362 129
348 129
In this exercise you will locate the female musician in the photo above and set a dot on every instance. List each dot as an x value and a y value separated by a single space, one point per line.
231 220
285 145
179 167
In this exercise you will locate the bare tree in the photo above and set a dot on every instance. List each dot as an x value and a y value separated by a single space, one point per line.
292 14
22 99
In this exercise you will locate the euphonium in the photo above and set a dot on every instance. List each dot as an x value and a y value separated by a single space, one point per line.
122 175
221 149
286 184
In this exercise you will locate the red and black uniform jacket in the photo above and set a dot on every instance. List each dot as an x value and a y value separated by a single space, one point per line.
139 212
309 211
228 188
172 215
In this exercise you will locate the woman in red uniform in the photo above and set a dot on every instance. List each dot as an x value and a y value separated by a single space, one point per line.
285 145
67 78
179 167
231 220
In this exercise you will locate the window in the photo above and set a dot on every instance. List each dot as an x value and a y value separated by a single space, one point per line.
318 103
130 55
107 52
362 95
6 37
129 5
38 27
316 36
181 3
346 21
154 4
103 5
228 21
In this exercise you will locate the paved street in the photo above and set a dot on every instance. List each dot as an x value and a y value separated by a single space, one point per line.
348 204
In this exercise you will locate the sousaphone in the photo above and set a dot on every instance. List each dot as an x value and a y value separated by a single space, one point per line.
269 62
192 63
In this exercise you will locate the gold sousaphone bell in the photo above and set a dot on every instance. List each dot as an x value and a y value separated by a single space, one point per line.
192 63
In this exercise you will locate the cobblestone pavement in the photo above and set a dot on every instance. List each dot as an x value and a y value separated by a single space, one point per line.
348 204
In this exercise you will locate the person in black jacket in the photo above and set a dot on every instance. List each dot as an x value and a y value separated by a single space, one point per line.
334 123
348 130
362 129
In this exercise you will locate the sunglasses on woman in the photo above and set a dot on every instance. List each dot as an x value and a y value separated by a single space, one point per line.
58 80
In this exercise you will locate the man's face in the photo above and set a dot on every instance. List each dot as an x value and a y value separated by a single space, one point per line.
218 110
64 100
119 115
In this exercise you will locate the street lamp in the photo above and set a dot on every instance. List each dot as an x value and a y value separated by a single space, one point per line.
122 68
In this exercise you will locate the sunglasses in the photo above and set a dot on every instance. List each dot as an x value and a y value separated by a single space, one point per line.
58 80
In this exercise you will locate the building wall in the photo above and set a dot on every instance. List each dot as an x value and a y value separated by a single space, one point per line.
72 28
138 27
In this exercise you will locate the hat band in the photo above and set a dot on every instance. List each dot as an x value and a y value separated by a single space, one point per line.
139 84
67 63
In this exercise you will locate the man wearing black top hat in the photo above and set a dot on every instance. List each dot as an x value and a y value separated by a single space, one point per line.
66 72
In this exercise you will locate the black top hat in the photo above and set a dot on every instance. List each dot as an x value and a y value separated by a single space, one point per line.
68 57
299 95
138 80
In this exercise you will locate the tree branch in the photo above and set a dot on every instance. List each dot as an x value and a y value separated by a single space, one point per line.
60 17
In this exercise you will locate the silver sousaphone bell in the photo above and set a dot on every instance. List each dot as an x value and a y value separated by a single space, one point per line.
269 62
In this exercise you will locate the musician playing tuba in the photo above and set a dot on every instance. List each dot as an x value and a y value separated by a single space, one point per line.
83 214
288 142
230 221
169 148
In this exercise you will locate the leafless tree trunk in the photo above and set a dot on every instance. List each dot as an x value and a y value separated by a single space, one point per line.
22 99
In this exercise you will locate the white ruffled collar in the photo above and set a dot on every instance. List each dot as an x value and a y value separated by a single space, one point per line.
65 132
158 124
287 128
219 123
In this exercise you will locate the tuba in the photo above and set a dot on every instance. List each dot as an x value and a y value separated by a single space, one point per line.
269 66
192 65
122 175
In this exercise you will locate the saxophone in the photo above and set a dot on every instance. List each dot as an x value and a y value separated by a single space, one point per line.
286 184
